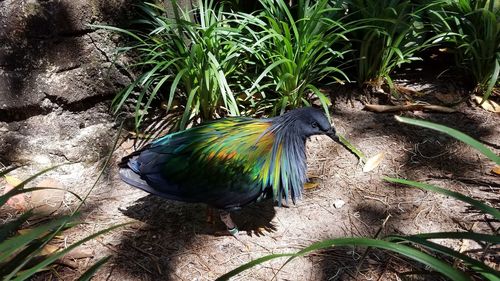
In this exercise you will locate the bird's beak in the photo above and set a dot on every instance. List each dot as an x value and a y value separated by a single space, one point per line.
333 135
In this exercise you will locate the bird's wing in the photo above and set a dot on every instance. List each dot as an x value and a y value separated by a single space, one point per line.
230 157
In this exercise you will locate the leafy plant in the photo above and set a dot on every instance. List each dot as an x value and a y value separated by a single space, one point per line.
194 63
390 34
296 50
471 28
21 253
418 247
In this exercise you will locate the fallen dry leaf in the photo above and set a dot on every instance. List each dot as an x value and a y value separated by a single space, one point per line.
17 202
488 105
496 170
48 249
373 162
128 146
310 185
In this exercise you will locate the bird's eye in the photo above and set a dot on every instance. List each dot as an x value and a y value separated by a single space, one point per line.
314 124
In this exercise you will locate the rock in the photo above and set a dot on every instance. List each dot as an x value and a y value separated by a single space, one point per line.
47 201
338 203
49 51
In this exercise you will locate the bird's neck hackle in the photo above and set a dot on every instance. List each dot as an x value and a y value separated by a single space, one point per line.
289 153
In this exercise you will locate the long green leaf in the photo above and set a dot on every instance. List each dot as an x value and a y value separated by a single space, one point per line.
89 273
478 204
479 267
26 254
23 183
361 156
8 228
404 250
8 170
11 245
478 237
50 259
454 133
16 191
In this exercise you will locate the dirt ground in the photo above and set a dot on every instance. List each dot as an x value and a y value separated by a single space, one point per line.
169 240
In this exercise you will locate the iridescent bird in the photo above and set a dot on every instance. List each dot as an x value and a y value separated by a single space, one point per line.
229 163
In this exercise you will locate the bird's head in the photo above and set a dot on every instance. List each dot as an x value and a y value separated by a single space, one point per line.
309 121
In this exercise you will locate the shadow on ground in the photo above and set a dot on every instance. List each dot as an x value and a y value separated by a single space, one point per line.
422 148
171 228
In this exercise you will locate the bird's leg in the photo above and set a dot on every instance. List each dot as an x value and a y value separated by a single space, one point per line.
210 215
226 219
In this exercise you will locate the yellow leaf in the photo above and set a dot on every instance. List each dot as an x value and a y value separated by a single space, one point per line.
373 162
488 105
496 170
48 249
17 201
310 185
12 181
27 230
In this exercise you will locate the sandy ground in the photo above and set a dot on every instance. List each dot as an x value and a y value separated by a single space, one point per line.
168 240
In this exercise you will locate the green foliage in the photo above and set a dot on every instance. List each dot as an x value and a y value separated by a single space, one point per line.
418 247
472 29
390 34
20 256
21 253
207 63
296 49
194 63
454 133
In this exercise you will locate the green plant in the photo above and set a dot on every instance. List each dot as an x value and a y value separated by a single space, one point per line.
194 63
419 247
21 252
472 29
296 50
390 34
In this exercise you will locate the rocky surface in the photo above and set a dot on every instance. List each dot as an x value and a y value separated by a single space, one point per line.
56 79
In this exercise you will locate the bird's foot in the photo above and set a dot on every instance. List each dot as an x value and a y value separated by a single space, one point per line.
226 219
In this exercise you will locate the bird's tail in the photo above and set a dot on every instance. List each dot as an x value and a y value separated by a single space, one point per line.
125 160
130 177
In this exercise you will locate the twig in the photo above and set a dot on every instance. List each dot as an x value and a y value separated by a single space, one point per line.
411 107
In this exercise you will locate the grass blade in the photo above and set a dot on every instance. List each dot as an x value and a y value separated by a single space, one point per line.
50 259
10 227
89 273
478 237
479 267
454 133
478 204
8 170
10 245
407 251
361 156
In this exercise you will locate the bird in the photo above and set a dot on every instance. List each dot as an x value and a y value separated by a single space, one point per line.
230 162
